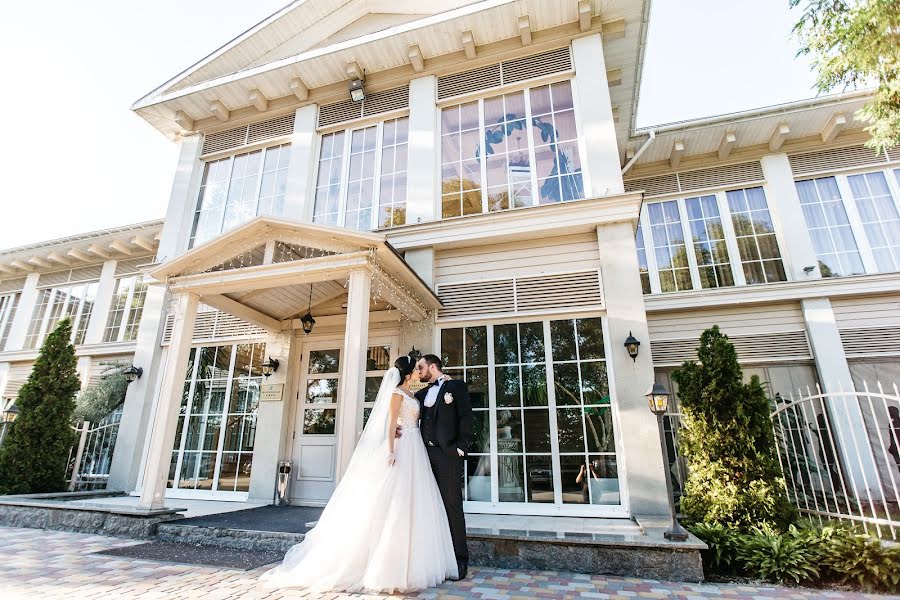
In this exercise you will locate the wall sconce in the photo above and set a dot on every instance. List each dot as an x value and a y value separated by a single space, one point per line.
132 373
270 366
631 345
357 92
415 354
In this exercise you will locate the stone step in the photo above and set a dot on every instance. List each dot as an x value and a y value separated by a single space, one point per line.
240 539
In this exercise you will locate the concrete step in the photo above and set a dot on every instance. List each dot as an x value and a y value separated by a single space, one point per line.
240 539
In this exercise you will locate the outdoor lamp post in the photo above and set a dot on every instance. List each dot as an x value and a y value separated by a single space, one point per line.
270 366
658 398
7 417
132 373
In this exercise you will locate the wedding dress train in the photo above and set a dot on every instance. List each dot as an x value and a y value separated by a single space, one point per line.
385 528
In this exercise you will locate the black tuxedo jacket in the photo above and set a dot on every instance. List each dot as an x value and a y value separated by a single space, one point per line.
453 422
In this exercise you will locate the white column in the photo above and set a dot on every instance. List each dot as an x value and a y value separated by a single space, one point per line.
600 161
24 310
639 447
183 199
422 165
162 435
846 419
270 418
298 196
139 398
787 216
352 373
105 290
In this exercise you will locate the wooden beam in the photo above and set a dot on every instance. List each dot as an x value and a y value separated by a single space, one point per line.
778 136
40 262
354 71
615 114
245 313
415 58
184 120
676 154
259 100
7 269
585 12
219 110
614 76
467 39
99 251
726 144
629 153
613 29
79 255
524 24
18 264
120 246
142 242
299 89
833 127
59 258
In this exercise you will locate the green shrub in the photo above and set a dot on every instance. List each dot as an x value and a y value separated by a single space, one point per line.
727 439
773 556
848 555
723 543
103 397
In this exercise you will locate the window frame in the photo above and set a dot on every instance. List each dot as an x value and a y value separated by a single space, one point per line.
725 216
47 309
479 97
9 304
891 173
348 129
128 309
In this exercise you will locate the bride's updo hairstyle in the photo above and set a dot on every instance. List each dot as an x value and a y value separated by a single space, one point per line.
405 365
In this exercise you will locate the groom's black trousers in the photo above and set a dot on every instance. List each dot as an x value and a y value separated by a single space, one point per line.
448 474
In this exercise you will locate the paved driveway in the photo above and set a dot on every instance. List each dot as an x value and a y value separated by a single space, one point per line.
51 565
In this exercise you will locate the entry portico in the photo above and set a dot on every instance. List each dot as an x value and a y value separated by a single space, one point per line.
268 272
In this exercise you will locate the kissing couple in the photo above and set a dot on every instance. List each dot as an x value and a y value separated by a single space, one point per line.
395 521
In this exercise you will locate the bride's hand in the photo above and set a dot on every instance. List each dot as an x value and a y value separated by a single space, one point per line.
392 459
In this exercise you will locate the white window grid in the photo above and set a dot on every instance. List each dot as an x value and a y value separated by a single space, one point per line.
522 187
231 195
8 305
341 197
879 217
677 226
126 309
835 240
75 301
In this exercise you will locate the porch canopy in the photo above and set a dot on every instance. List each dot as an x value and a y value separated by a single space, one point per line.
268 272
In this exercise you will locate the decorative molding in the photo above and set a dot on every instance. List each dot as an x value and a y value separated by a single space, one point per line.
776 140
726 145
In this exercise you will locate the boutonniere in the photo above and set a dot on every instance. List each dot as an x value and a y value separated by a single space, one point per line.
448 398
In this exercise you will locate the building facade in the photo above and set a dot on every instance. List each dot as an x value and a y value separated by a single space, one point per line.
489 199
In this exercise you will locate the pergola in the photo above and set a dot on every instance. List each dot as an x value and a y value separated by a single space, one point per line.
268 272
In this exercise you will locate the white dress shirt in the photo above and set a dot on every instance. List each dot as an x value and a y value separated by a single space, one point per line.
431 396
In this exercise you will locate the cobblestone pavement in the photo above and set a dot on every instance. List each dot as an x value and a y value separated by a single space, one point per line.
51 565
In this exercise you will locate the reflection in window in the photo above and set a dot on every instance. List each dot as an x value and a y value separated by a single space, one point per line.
126 309
829 227
394 153
237 188
642 260
524 142
879 217
361 180
669 247
75 302
708 237
328 182
757 245
8 305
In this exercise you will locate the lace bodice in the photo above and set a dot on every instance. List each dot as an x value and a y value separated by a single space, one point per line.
409 411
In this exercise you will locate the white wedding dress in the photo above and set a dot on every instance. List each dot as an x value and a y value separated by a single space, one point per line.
385 528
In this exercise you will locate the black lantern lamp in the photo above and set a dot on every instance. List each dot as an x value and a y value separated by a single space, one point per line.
307 319
270 366
132 373
658 398
357 90
415 354
631 345
9 415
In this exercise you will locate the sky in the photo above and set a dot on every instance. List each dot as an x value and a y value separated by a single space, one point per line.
77 159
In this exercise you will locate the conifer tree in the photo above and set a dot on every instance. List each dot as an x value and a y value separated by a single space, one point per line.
34 454
733 475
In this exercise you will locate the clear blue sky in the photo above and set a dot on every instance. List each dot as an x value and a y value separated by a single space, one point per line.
76 158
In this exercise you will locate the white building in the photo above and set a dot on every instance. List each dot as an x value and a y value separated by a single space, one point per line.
489 200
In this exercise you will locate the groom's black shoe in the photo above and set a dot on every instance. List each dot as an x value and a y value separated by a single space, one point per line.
463 570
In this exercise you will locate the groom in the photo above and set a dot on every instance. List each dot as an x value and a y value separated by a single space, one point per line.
446 424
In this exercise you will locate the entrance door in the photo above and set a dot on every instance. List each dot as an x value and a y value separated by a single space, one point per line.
318 412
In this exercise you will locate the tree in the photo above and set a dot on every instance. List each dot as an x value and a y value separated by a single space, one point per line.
34 454
103 397
733 476
857 42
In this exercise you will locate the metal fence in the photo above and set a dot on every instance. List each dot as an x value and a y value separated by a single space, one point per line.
90 457
839 453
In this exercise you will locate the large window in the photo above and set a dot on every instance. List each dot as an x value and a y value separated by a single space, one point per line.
237 188
361 181
55 304
126 309
710 241
509 151
854 221
543 431
216 429
8 304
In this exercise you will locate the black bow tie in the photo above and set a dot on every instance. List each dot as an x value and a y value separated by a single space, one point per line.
436 382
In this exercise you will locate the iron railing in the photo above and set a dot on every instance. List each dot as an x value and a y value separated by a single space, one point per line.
91 456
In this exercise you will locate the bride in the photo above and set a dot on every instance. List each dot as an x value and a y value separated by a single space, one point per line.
385 528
